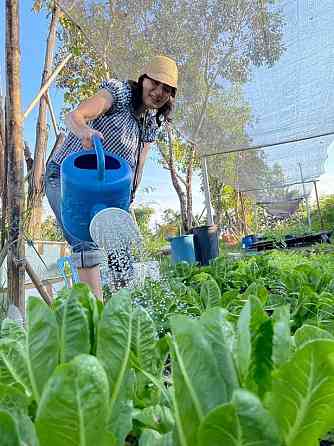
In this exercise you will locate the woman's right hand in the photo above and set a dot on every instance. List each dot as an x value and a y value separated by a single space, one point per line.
88 110
86 136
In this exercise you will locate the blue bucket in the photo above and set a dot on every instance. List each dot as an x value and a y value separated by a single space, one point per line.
248 240
182 249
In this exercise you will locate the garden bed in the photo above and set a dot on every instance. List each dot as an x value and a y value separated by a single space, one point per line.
241 347
292 241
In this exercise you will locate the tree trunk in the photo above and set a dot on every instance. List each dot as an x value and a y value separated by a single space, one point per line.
2 170
36 181
219 220
177 186
217 190
14 148
189 190
2 143
4 194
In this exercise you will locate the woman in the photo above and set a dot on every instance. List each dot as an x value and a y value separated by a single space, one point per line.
126 115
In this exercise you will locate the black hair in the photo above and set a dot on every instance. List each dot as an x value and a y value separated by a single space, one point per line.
164 113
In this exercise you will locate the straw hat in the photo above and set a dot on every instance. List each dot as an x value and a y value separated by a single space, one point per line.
162 69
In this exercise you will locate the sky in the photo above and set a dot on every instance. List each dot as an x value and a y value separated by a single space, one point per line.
33 41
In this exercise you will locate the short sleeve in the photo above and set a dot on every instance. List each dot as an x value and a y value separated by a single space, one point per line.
120 91
151 129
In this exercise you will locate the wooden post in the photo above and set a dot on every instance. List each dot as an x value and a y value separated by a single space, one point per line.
3 253
35 280
244 226
4 115
46 86
318 205
14 148
207 193
52 113
308 213
2 142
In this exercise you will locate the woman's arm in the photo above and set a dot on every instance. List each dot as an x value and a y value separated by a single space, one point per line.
88 110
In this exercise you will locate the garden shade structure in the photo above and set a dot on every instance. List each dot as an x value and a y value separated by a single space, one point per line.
256 83
286 143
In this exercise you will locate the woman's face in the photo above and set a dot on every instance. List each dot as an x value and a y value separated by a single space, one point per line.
155 94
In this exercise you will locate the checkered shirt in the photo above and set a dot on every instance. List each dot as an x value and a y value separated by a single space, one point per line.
119 126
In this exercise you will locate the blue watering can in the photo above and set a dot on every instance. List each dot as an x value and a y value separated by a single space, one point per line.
92 180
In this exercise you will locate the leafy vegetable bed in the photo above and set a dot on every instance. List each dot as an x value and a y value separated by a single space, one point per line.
242 359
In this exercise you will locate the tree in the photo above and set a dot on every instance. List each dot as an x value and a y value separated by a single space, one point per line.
143 216
153 241
228 39
3 171
107 39
214 43
2 142
14 148
36 178
179 157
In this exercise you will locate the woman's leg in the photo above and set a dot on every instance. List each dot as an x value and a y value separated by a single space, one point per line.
87 258
92 277
85 255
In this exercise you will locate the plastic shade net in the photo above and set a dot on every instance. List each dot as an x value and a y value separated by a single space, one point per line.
253 73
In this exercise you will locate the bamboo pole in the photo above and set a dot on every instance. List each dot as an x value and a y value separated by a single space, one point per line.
35 280
46 86
265 146
207 193
52 113
278 186
14 148
318 205
3 253
305 197
244 226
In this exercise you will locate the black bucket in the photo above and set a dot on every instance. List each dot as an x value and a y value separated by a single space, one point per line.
206 243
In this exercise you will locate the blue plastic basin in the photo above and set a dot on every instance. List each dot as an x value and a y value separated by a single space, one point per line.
182 249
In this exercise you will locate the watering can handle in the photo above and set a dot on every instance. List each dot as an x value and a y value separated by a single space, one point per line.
98 146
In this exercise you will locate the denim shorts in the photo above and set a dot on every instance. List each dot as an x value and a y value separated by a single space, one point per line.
84 254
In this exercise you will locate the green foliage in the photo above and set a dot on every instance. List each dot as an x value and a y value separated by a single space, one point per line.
298 224
143 217
77 375
74 407
275 278
153 242
50 230
118 39
327 212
